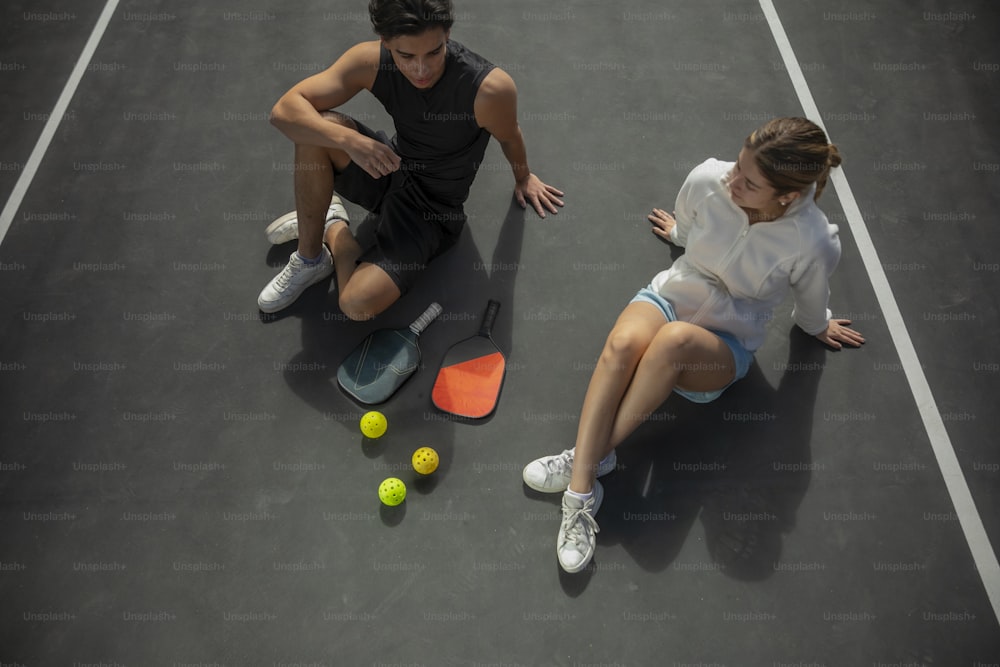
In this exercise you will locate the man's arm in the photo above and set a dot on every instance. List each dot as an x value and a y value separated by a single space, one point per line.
496 112
298 113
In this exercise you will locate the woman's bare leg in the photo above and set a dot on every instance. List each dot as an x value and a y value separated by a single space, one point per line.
679 354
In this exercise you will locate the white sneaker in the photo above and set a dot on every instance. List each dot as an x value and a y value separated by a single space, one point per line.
286 228
551 474
576 541
288 285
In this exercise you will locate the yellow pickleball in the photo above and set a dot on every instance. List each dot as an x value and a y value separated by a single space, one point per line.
374 424
392 491
425 460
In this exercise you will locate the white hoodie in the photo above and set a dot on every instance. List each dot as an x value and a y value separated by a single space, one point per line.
733 274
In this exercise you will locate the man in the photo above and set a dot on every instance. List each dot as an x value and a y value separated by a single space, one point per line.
445 102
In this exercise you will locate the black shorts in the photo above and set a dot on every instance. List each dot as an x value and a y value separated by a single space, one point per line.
411 228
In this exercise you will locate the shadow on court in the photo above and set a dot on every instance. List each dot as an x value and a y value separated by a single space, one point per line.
741 465
462 282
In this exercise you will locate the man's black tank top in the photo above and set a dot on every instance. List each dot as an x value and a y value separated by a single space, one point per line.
437 137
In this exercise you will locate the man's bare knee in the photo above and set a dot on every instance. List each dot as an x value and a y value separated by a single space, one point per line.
338 158
361 306
358 310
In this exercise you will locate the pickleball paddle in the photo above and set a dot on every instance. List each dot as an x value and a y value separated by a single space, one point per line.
383 361
472 371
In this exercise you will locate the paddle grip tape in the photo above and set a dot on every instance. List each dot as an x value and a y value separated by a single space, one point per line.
429 315
492 308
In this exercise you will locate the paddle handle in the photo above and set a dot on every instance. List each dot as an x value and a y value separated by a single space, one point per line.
429 316
489 317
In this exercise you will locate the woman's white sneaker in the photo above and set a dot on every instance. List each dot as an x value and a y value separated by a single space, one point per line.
577 534
551 474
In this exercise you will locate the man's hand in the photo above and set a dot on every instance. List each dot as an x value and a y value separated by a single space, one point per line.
837 333
374 157
542 197
496 112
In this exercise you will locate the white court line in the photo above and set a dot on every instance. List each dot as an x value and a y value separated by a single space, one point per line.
55 118
958 487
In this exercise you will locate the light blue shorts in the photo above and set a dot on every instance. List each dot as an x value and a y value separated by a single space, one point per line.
741 355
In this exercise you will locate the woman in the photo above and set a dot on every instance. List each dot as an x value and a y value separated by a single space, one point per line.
752 232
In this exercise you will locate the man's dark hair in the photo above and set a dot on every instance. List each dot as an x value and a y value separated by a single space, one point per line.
392 18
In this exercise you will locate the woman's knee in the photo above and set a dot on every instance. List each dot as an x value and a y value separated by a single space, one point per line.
671 346
625 343
675 336
697 355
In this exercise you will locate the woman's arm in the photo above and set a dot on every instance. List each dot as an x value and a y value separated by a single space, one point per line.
837 332
811 290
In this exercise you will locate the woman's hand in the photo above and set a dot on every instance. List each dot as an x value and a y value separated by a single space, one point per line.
837 333
663 222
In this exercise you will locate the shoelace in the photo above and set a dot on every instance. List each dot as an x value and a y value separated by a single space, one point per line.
285 276
563 463
575 522
559 464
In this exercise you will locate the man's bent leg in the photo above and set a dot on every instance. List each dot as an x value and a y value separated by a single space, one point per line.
314 175
368 292
312 263
345 249
313 191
